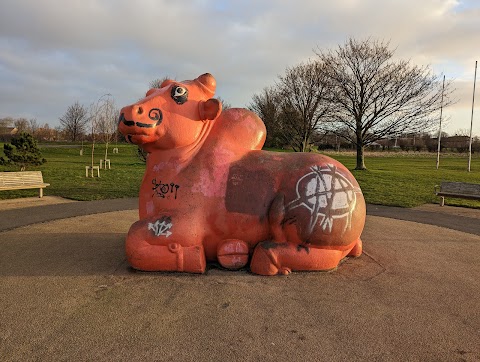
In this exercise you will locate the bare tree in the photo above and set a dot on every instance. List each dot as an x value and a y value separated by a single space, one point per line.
45 133
92 119
58 133
21 124
376 97
296 107
266 106
303 92
6 122
106 120
74 121
98 114
33 126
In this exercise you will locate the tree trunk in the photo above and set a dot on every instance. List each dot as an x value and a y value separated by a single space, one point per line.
360 157
93 151
304 142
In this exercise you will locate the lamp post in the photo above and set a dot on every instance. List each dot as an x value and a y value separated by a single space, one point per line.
440 128
471 120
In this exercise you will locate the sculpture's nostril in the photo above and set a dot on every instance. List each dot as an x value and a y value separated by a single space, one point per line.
139 110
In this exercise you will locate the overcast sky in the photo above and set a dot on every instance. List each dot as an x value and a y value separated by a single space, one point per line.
56 52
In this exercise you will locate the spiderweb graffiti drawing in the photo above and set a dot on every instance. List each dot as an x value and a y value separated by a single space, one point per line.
328 195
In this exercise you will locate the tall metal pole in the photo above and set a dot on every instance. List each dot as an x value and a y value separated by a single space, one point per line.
471 120
440 128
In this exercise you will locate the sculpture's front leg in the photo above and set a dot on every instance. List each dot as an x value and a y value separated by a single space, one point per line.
165 243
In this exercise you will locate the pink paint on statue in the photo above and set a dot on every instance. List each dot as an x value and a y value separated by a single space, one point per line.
210 194
213 181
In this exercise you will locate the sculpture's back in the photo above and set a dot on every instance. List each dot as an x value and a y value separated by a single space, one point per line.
209 193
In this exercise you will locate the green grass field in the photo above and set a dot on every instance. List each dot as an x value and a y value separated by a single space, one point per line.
408 179
65 172
397 179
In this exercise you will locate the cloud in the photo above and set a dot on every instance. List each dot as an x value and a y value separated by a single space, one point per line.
53 53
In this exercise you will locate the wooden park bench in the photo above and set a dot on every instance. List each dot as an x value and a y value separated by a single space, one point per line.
22 180
461 190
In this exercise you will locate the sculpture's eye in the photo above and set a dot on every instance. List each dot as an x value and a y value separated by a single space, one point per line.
179 94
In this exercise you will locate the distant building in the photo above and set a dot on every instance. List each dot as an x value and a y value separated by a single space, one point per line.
6 133
456 143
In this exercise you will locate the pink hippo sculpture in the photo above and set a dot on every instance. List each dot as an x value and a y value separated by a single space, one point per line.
210 193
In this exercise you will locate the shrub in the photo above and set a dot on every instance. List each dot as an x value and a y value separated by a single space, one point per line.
22 152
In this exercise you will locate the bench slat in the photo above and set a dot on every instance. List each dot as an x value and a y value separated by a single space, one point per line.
20 187
461 196
21 181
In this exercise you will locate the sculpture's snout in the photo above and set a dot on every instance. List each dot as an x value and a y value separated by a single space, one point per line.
129 113
122 120
137 109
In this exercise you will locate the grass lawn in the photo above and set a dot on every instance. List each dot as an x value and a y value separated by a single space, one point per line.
408 179
397 179
65 172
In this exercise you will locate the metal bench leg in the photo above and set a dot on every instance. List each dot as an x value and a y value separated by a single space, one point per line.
442 202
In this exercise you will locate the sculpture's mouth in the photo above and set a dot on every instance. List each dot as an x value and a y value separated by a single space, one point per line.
130 123
138 139
139 132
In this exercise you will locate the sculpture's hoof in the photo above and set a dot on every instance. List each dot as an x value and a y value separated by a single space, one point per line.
271 258
264 262
284 270
233 254
357 249
171 257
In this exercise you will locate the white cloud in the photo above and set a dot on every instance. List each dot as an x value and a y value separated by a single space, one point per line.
53 52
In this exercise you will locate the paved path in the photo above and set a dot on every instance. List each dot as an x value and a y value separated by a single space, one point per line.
67 294
27 215
469 224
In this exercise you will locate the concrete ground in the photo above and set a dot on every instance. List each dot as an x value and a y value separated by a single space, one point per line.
67 294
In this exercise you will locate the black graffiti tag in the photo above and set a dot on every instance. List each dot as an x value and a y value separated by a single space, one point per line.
164 189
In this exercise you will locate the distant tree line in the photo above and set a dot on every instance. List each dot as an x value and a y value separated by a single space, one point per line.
411 142
9 127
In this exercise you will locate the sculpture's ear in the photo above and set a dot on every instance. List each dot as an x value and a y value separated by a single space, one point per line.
151 91
210 109
208 84
166 82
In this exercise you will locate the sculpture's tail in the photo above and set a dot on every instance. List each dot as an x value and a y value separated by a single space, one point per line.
276 218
